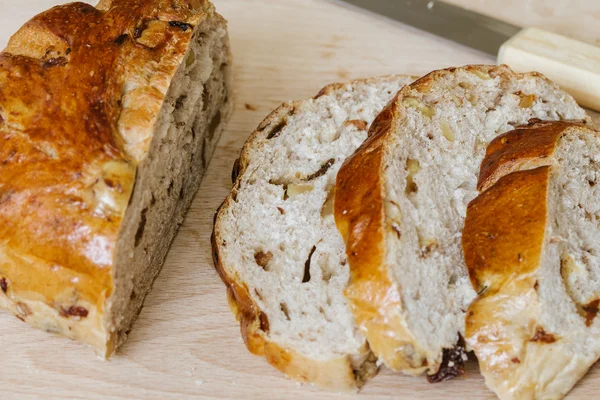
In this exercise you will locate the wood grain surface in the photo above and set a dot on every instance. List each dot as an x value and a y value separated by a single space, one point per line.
186 344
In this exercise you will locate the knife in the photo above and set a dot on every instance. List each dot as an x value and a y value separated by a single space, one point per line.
574 65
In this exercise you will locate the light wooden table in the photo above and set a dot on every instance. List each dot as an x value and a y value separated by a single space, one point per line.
186 344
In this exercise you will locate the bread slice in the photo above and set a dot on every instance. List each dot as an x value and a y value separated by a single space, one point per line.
109 117
275 243
531 243
401 201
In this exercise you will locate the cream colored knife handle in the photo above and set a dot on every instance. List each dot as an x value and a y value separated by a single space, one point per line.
574 65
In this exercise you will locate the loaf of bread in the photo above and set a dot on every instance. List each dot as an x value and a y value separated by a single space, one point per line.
108 118
275 242
401 201
531 244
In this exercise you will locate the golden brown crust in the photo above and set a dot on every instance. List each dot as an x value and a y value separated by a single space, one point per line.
516 163
337 374
494 247
503 241
80 89
374 298
519 149
359 214
359 209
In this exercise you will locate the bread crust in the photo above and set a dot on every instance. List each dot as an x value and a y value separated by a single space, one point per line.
518 150
334 374
80 90
374 298
339 374
503 241
359 213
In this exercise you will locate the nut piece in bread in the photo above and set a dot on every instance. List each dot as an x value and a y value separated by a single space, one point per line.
108 118
530 243
275 243
401 200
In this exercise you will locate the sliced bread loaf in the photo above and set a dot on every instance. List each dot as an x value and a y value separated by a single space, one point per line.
275 242
531 244
401 201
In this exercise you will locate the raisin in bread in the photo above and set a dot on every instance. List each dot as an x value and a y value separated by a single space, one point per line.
109 116
275 242
401 201
531 244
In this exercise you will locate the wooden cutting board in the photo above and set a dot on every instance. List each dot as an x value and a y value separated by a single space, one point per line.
186 343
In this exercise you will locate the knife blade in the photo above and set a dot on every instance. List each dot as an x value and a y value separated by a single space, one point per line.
466 27
573 64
